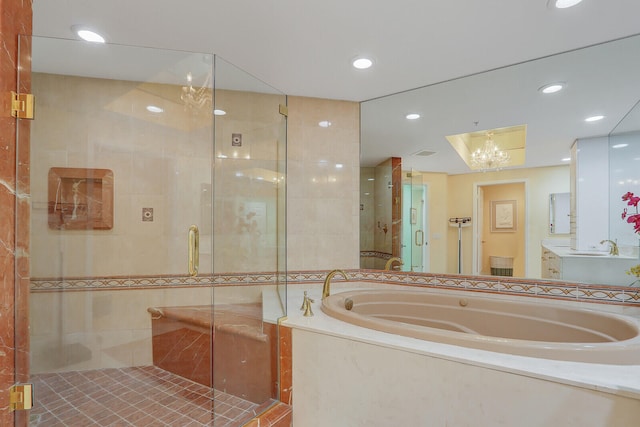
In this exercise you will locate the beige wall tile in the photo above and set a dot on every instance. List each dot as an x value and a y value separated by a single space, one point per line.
322 199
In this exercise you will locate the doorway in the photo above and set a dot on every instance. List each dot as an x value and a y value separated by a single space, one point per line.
500 234
415 224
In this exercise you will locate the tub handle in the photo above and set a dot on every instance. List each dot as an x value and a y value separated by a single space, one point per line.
419 242
194 250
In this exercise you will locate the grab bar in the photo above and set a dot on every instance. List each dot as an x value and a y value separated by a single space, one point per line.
194 250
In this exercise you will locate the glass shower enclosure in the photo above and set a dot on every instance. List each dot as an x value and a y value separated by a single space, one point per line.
157 247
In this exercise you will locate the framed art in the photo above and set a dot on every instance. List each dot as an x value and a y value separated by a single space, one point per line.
80 199
503 216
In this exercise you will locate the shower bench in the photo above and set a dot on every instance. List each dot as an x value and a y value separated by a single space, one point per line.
220 346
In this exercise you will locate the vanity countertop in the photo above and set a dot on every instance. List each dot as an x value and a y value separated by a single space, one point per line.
566 251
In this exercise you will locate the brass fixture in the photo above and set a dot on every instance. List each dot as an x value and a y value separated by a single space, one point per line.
327 282
613 251
348 304
387 266
20 397
22 105
306 305
194 250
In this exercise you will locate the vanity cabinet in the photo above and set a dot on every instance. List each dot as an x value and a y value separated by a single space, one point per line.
551 264
563 263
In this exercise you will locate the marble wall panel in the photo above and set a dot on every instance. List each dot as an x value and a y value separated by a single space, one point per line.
15 19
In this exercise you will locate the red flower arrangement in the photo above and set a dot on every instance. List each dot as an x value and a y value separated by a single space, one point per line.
632 200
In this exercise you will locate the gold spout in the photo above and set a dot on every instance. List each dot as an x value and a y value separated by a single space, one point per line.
614 251
387 266
327 281
304 301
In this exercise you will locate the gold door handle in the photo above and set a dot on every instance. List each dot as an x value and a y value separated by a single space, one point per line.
420 241
194 250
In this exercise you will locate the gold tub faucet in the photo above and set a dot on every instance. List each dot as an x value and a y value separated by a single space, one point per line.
387 266
327 281
614 251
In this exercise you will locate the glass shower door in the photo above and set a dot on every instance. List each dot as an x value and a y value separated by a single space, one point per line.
120 234
418 222
249 245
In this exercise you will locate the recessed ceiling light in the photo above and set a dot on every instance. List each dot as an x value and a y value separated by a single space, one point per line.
593 118
324 124
219 112
619 145
371 179
154 109
339 165
563 4
412 116
362 63
552 88
566 159
86 34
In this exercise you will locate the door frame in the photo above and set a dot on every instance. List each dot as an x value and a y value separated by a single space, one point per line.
477 228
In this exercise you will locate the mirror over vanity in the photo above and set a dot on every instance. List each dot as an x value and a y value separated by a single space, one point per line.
559 213
564 198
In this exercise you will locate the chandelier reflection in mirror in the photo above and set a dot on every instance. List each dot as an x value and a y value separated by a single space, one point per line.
197 98
489 156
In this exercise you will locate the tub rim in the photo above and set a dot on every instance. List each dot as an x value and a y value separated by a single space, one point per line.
624 352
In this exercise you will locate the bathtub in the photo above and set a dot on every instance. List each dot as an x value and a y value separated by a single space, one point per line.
520 328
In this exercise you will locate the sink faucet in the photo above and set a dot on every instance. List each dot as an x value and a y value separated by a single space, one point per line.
327 281
387 266
614 247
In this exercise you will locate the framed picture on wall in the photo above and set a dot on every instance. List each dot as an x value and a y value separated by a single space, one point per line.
503 216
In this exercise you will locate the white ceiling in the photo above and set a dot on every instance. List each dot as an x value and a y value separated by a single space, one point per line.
305 48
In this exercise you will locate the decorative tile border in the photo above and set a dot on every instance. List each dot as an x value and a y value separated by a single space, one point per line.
143 282
375 254
488 284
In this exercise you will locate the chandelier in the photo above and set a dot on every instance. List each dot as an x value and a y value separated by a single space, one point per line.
197 98
489 156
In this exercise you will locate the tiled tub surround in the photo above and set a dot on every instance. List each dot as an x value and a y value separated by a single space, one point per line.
398 373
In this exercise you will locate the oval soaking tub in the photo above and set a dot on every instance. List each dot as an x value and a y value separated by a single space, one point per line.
521 328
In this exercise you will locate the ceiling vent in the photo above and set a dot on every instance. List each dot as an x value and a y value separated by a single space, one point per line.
424 153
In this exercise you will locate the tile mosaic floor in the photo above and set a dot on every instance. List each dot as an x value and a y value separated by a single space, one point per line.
139 396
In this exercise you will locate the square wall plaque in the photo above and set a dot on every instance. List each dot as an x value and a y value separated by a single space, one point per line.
80 199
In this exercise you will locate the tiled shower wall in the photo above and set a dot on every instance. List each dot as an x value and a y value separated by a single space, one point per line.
323 184
162 164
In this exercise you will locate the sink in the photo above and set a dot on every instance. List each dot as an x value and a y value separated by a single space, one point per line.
588 253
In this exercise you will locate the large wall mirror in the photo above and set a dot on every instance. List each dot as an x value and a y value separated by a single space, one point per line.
458 116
